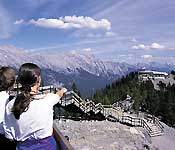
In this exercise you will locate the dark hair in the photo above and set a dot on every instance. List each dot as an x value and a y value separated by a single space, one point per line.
7 78
28 76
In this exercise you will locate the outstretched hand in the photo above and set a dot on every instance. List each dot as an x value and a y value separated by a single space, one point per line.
62 92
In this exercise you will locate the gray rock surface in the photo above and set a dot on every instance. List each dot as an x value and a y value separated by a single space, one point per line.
105 135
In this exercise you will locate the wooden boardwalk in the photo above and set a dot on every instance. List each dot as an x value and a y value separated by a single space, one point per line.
112 113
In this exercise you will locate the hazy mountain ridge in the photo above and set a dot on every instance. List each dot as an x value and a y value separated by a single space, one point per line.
66 63
83 68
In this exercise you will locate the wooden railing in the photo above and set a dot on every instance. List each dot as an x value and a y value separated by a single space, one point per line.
157 122
145 126
82 104
136 122
62 142
90 105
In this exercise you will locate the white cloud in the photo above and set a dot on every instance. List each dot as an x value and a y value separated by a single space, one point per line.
135 47
87 49
48 23
147 47
21 21
157 46
147 56
140 46
68 22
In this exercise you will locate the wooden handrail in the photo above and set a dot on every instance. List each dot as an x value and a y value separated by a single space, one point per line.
62 142
107 106
145 125
157 122
141 121
86 105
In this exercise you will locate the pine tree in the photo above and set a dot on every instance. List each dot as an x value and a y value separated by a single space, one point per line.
75 89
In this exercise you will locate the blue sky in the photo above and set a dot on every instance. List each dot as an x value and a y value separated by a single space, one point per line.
121 30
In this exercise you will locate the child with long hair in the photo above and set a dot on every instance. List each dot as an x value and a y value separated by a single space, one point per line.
7 80
29 116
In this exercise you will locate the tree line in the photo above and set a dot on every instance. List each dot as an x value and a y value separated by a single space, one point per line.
146 98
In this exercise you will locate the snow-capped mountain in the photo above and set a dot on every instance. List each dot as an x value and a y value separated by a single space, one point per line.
84 69
64 63
73 63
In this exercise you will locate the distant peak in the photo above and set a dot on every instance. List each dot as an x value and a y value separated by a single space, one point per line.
11 48
81 54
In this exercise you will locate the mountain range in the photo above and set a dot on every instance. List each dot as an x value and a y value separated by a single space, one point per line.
88 72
